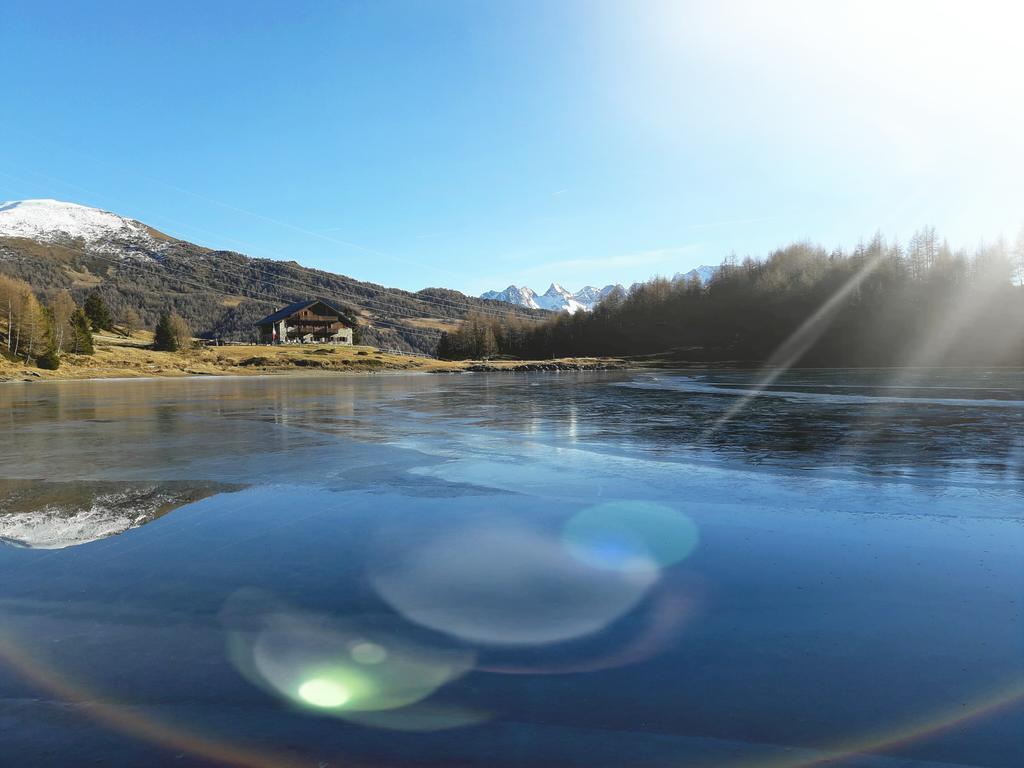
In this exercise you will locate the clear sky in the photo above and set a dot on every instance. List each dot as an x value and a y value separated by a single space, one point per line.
476 144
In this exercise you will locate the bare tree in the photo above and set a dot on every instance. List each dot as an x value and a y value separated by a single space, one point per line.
27 325
1018 258
62 306
130 321
182 331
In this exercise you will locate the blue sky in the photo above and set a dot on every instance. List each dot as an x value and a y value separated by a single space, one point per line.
477 144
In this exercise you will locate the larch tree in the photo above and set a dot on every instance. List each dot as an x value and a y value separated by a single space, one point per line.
62 306
130 321
28 327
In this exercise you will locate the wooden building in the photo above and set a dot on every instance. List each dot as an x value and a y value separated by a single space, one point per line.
310 322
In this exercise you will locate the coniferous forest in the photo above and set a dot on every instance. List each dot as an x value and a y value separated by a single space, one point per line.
878 305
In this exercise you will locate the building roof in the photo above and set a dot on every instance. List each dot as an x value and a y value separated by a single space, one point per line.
291 309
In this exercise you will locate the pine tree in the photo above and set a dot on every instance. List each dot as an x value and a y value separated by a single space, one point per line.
444 347
82 336
98 312
164 337
49 360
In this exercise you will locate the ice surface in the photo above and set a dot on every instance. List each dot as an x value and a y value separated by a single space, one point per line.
855 581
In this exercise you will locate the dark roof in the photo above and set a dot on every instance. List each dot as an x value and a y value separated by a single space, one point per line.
291 309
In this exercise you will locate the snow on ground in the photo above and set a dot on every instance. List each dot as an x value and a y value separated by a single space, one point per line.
51 221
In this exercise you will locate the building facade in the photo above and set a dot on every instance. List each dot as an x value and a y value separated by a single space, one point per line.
313 321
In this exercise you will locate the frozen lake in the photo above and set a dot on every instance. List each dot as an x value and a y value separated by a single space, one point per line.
617 569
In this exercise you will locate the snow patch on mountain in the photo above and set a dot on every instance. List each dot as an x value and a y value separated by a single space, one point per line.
521 297
589 296
703 274
54 221
556 298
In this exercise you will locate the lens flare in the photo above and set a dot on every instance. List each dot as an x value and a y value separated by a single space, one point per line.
663 622
321 692
18 654
337 666
368 653
507 585
798 343
630 536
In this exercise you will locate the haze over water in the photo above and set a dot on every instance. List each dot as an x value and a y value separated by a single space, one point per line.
514 570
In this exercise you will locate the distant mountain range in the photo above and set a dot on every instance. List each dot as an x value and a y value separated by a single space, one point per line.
558 299
55 245
703 273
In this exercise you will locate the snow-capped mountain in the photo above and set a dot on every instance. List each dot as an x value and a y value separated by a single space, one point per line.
521 297
57 222
703 274
589 296
556 298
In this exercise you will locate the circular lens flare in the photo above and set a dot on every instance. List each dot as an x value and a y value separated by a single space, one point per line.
368 653
507 585
324 693
338 666
630 536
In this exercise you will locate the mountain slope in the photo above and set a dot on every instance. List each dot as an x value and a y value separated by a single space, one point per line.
51 221
54 245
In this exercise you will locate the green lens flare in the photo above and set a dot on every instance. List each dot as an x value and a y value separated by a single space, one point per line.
324 693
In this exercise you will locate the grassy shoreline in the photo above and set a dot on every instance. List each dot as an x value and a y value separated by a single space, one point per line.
126 358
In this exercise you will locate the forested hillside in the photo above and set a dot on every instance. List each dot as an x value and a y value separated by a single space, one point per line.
221 293
879 305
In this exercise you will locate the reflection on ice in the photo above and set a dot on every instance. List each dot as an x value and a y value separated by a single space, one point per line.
508 585
55 515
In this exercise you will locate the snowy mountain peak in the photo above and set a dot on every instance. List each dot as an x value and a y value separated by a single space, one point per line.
521 297
703 274
54 221
590 295
556 298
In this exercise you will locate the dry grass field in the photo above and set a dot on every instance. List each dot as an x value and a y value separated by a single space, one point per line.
119 357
